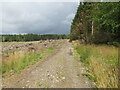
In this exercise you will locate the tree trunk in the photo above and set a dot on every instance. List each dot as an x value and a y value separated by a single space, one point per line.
92 28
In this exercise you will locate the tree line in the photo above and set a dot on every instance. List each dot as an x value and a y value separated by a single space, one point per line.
97 22
32 37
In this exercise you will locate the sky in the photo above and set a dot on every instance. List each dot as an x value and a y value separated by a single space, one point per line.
37 17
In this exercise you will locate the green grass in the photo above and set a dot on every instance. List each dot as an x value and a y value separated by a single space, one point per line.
90 76
50 50
78 74
9 52
76 55
84 53
19 62
61 43
101 62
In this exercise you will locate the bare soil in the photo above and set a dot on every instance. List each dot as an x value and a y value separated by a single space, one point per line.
58 70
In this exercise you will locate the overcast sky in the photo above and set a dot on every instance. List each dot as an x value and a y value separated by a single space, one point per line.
38 18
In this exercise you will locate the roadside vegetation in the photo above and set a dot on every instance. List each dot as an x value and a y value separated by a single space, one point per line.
49 50
16 61
96 27
102 64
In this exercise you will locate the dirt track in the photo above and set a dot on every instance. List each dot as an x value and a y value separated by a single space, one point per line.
59 70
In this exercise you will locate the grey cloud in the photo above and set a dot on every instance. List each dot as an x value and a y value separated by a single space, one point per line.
40 18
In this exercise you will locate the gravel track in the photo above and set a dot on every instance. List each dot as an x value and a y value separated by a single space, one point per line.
58 70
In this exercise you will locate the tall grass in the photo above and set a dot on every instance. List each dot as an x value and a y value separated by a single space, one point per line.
102 63
16 61
19 60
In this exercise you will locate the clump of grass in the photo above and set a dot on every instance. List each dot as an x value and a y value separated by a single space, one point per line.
84 53
78 74
50 50
19 61
90 76
102 62
76 56
61 43
8 52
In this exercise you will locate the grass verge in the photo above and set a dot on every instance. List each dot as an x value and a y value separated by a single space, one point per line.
20 59
49 50
102 63
8 52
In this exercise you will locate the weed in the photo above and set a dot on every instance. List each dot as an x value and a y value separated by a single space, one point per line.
20 60
102 62
8 52
90 76
50 50
78 74
84 53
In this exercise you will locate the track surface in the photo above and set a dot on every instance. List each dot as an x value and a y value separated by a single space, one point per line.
58 70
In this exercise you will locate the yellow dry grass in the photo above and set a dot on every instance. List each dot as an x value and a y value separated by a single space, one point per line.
13 60
16 61
104 66
103 63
